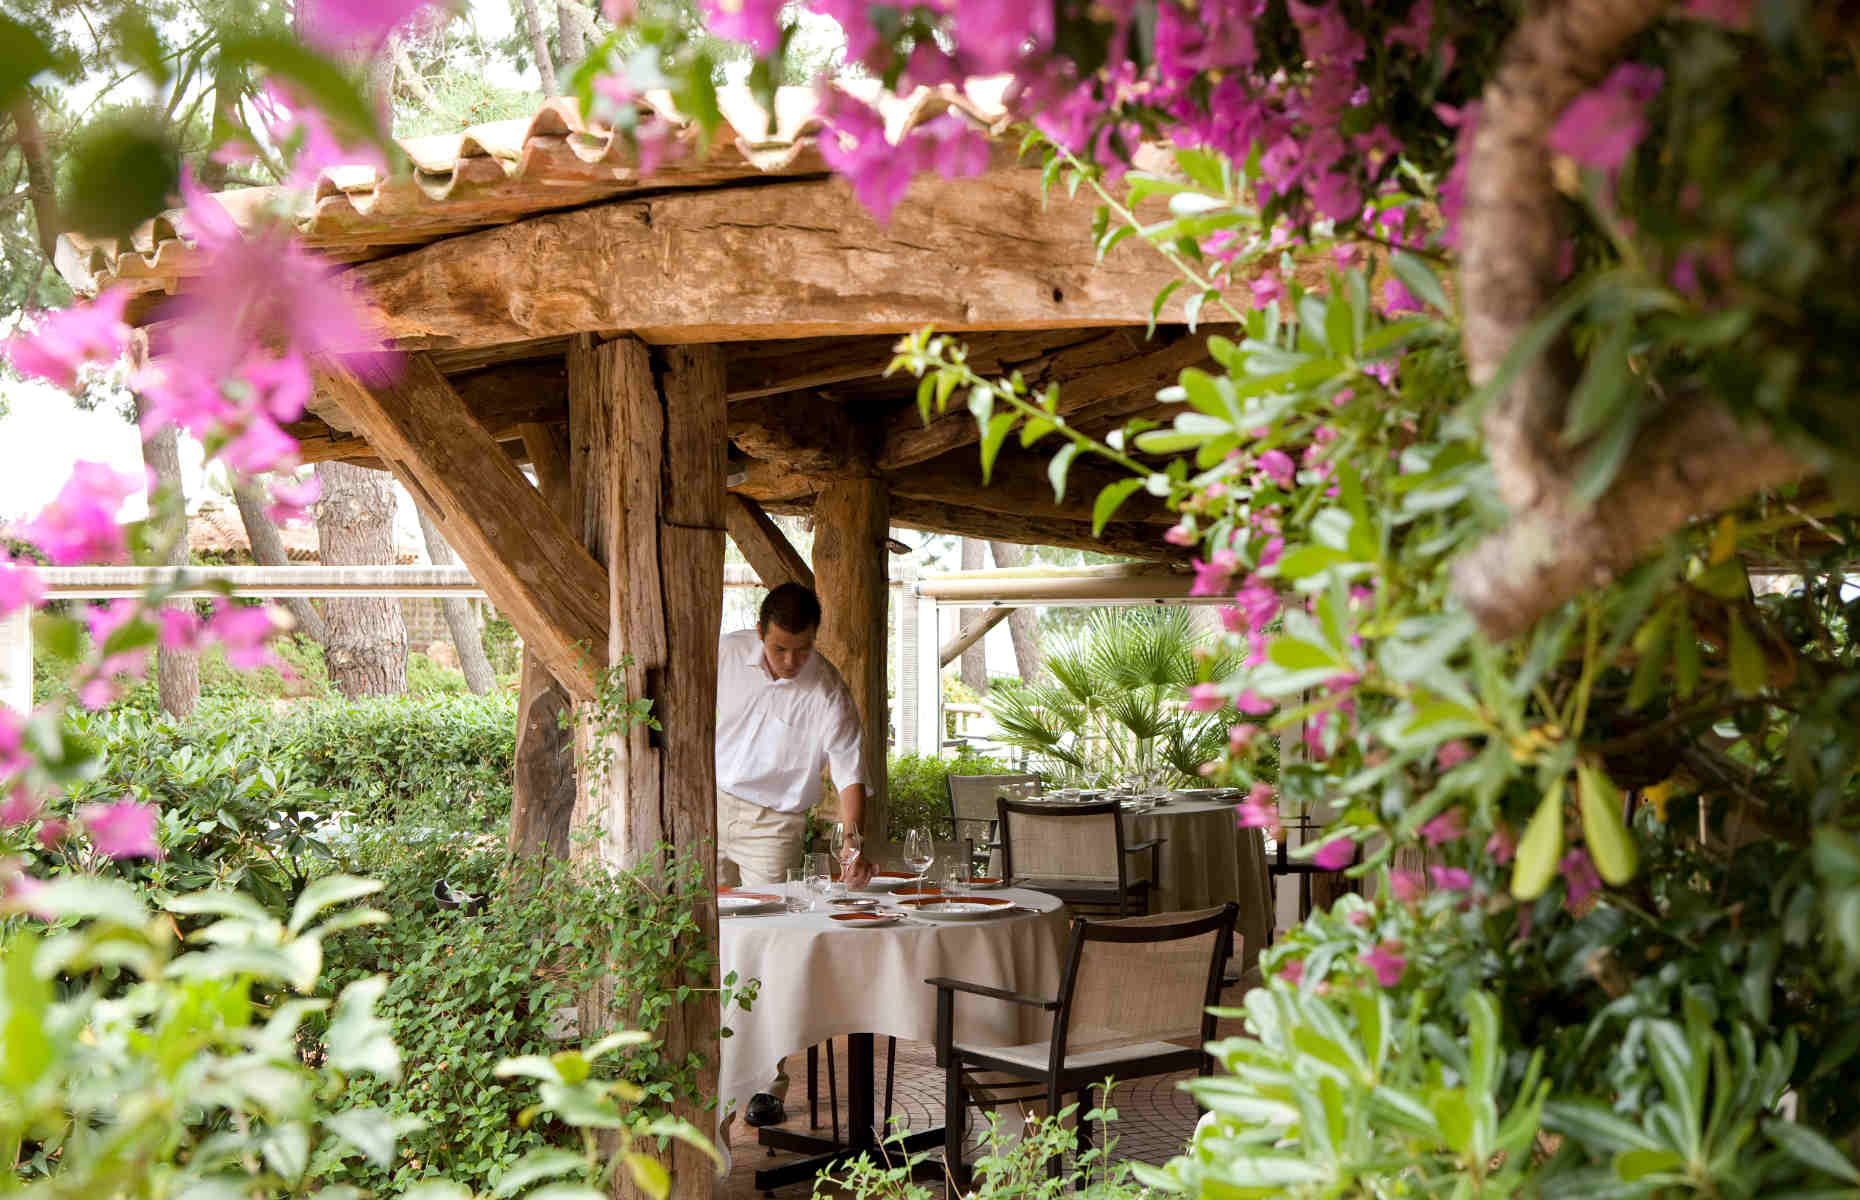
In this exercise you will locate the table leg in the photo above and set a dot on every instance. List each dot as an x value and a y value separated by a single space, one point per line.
862 1135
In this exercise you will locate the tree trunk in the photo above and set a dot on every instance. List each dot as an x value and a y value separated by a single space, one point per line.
975 658
177 672
268 551
539 46
41 184
366 646
1023 623
467 637
571 30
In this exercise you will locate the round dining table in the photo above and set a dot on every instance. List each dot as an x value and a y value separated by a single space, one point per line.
1207 861
819 979
1204 861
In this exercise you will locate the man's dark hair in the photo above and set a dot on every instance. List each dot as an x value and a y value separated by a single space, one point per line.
791 606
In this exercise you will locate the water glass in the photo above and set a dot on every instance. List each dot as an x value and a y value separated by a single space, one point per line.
955 880
795 891
819 868
919 852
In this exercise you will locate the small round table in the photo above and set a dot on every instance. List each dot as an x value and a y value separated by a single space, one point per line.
821 980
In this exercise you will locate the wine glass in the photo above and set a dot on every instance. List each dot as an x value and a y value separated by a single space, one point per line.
919 852
847 844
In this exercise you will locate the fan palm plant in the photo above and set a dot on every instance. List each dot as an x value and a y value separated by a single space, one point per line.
1112 709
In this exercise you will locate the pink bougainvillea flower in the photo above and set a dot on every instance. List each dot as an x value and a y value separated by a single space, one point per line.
1451 879
1241 736
1448 826
1180 534
1205 697
1406 886
292 499
51 832
1396 298
1579 872
1292 971
79 525
245 634
1452 754
1258 811
1335 854
1253 704
1501 847
21 805
1601 127
20 585
339 26
124 829
1385 960
1272 551
1266 290
21 893
102 620
953 147
180 629
66 339
1212 576
1278 467
1258 602
1360 918
853 145
994 36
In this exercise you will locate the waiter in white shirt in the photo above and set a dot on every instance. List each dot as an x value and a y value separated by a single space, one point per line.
782 714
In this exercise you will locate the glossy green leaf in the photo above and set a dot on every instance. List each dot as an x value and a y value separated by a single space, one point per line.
1109 499
1420 280
1610 843
536 1166
1056 469
1812 1150
328 892
1749 669
999 426
1541 847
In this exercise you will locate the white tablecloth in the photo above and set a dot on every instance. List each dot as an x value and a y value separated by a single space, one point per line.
820 980
1206 861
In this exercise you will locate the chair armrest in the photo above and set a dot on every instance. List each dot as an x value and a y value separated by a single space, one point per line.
976 989
1133 847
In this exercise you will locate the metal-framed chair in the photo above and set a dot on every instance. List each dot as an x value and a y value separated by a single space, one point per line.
972 809
1076 852
1132 992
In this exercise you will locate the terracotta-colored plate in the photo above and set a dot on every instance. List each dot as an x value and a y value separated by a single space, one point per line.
983 881
864 920
919 892
958 908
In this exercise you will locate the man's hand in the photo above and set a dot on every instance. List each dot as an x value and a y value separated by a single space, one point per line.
858 871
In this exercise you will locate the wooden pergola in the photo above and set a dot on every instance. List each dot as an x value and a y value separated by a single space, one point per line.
627 338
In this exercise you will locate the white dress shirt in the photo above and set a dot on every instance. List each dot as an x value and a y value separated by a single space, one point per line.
774 735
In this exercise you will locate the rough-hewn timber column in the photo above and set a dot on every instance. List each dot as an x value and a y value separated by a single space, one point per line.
852 520
655 467
543 784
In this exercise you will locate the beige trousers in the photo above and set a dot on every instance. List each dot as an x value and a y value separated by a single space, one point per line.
755 845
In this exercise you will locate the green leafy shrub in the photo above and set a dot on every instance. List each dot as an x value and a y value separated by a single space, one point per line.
917 793
428 678
466 988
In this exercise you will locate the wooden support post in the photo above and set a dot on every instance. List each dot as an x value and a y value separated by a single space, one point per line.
653 470
773 558
851 532
542 802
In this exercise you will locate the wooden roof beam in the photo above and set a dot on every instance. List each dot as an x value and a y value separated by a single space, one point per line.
1131 539
531 565
782 260
1118 368
758 369
1019 487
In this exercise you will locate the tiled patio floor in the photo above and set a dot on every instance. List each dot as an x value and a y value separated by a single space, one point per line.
1155 1117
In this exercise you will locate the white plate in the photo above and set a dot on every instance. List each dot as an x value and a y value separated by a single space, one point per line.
1199 793
885 883
983 885
864 920
976 909
736 904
